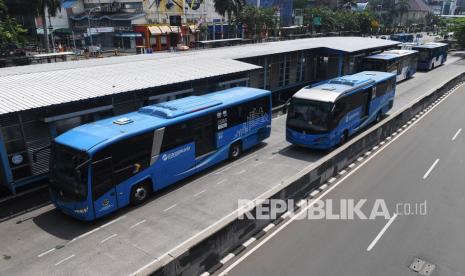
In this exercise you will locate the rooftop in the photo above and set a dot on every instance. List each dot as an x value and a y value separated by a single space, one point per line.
331 91
392 54
87 136
49 84
45 88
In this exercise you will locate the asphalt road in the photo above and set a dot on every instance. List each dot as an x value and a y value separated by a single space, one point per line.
424 164
46 242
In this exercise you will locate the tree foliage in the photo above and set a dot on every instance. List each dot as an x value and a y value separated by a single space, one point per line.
11 33
341 20
229 8
258 21
458 27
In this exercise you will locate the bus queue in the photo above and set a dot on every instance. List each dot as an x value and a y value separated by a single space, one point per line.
100 167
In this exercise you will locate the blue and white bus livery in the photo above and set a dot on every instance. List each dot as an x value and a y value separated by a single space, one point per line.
431 55
100 167
324 116
403 63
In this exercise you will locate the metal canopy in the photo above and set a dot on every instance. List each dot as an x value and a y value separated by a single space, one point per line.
28 91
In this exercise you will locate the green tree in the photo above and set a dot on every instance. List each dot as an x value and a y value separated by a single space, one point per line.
229 8
11 33
458 27
327 18
258 21
43 7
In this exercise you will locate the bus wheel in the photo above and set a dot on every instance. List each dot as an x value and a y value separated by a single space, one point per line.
235 150
140 193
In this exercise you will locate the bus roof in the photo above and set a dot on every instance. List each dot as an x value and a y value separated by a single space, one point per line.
392 54
335 88
429 45
87 137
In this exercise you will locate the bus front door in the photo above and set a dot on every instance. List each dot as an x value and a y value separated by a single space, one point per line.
103 188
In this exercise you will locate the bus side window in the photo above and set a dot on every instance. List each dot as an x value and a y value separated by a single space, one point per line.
176 135
131 156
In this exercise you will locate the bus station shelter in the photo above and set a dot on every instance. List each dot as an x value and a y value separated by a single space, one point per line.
39 102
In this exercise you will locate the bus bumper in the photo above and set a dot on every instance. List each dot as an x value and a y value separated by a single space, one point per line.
311 141
78 210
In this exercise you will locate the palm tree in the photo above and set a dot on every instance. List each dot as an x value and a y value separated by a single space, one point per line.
229 7
43 8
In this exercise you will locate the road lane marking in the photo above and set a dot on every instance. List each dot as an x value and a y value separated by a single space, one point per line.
223 170
247 159
199 193
46 252
137 224
456 134
380 234
96 229
258 164
169 208
431 169
64 260
108 238
221 182
240 172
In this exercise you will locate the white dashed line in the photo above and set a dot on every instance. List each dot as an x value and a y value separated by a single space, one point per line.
314 193
108 238
257 164
324 186
240 172
46 252
169 208
331 180
137 224
221 181
456 134
268 227
380 234
199 193
249 242
64 260
431 169
227 258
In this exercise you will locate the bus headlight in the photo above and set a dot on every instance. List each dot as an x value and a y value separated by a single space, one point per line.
82 211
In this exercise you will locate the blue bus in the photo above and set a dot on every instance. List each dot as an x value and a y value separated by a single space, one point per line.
431 55
324 116
402 37
102 166
403 63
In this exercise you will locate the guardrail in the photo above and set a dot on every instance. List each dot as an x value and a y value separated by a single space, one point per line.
204 251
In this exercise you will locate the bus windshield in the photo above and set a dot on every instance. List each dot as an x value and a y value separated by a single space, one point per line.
68 172
308 115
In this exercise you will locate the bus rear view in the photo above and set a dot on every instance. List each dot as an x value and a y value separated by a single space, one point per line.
326 115
103 166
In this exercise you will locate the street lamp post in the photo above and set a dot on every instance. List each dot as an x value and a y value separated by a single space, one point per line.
88 23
